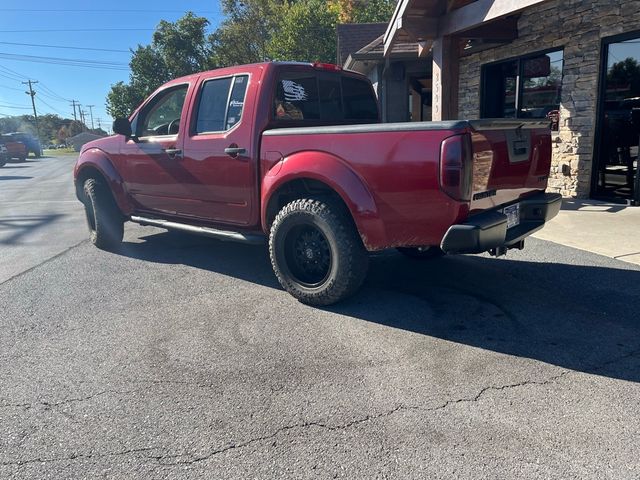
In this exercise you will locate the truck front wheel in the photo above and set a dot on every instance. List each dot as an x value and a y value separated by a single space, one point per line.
105 222
316 251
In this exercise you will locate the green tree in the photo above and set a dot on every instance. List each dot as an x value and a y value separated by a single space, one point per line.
177 49
245 33
306 32
51 126
362 11
252 31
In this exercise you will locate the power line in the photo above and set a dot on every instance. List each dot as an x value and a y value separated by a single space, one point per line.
87 10
11 88
47 30
71 62
51 93
16 108
13 72
52 108
65 47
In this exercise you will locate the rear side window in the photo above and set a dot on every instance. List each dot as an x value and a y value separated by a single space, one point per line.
297 97
359 101
323 98
236 100
221 104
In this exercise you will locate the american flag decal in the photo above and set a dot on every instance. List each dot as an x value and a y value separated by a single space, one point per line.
293 92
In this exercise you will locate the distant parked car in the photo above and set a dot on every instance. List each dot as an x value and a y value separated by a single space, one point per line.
4 155
31 142
17 150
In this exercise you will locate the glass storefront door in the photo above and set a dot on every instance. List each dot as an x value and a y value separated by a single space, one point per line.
619 123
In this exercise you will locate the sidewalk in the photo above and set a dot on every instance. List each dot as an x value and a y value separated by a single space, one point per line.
605 228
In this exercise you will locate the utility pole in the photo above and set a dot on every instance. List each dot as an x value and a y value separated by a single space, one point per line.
32 94
91 113
73 104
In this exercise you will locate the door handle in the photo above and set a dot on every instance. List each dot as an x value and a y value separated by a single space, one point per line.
173 152
234 151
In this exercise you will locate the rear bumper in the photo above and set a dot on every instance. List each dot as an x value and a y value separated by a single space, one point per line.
488 230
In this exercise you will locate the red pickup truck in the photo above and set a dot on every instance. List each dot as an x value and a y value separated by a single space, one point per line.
295 153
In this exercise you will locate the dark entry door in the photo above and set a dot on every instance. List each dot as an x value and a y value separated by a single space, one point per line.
616 175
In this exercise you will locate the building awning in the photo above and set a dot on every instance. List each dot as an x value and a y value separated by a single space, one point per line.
373 53
423 21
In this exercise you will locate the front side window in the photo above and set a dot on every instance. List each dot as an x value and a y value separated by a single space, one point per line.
219 109
526 87
162 115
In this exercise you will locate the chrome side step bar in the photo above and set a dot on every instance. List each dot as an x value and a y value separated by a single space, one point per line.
251 238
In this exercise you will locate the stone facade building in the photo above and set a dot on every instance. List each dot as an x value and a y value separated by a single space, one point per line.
577 27
573 62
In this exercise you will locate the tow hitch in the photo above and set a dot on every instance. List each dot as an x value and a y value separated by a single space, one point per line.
499 251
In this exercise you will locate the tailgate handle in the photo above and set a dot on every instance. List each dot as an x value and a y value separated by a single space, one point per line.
520 147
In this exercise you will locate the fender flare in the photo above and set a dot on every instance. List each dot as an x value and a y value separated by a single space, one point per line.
337 175
95 159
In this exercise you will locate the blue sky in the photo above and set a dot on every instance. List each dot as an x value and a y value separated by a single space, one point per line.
78 24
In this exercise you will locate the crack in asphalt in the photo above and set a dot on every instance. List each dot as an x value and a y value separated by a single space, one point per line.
77 456
368 418
50 405
44 262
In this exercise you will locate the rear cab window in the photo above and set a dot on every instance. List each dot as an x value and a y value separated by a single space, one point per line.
314 97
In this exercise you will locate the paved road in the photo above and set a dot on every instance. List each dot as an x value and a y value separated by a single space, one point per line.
39 214
180 357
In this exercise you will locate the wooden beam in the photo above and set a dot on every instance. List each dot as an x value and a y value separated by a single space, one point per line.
481 11
445 79
419 28
424 47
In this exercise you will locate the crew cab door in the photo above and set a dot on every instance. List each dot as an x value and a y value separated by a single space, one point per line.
151 159
219 156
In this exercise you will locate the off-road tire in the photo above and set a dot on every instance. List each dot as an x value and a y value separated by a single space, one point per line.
421 254
105 222
348 259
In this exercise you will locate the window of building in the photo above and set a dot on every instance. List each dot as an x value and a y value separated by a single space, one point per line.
218 109
526 87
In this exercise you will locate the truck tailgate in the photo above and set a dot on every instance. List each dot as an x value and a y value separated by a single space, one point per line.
511 159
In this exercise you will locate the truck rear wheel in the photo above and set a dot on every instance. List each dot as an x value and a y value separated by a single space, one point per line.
105 222
316 252
421 253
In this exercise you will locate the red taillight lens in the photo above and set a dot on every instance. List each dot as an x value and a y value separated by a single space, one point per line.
456 167
327 66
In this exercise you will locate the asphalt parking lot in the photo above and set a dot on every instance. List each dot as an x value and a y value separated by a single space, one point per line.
181 357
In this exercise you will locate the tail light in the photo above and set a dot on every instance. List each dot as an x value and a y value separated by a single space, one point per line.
327 66
456 167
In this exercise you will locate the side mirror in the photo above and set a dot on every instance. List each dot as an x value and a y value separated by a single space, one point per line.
121 126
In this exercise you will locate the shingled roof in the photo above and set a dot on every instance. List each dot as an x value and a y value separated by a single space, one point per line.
353 36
